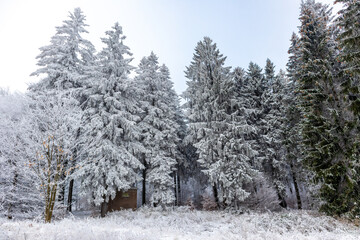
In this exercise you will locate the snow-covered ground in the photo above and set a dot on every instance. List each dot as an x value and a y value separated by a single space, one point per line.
146 224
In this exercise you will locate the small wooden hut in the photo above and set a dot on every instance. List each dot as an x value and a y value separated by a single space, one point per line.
123 200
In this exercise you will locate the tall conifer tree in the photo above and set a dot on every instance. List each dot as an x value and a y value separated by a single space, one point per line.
273 111
159 128
349 41
110 139
291 128
327 136
214 127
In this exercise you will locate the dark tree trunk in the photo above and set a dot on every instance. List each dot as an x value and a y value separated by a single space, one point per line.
175 189
71 183
104 208
61 195
71 186
297 192
144 184
61 185
216 196
15 180
282 201
179 192
280 196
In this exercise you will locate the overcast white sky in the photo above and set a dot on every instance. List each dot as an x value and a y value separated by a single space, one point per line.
243 30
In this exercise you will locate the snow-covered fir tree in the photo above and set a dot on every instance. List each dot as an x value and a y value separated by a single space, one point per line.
291 130
110 139
347 43
349 38
328 139
159 127
214 125
254 92
250 99
272 125
178 119
239 77
257 80
269 72
66 58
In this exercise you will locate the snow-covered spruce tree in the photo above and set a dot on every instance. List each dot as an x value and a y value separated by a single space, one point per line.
293 64
239 77
328 141
178 120
64 65
19 197
214 126
269 72
159 129
250 92
183 162
254 88
349 41
272 125
291 131
64 61
110 139
257 80
251 103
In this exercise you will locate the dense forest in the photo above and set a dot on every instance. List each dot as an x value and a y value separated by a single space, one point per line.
239 139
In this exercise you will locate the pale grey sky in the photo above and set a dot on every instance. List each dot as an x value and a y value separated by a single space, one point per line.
243 30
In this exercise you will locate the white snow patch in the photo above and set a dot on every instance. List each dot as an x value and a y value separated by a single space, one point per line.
150 224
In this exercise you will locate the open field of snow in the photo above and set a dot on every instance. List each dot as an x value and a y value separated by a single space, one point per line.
146 224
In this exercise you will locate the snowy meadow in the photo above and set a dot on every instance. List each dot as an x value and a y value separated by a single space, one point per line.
151 224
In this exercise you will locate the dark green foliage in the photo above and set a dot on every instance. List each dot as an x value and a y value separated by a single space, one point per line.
348 23
327 139
291 128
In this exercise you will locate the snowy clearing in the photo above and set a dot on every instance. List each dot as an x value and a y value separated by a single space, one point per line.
149 224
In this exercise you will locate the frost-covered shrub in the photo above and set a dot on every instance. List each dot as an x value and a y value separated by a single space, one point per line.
19 197
208 203
190 204
263 195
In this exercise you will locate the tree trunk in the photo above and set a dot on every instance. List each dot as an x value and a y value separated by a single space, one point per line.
282 201
297 192
280 196
175 189
51 196
216 195
71 183
9 214
144 185
61 195
104 208
179 192
62 185
71 186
